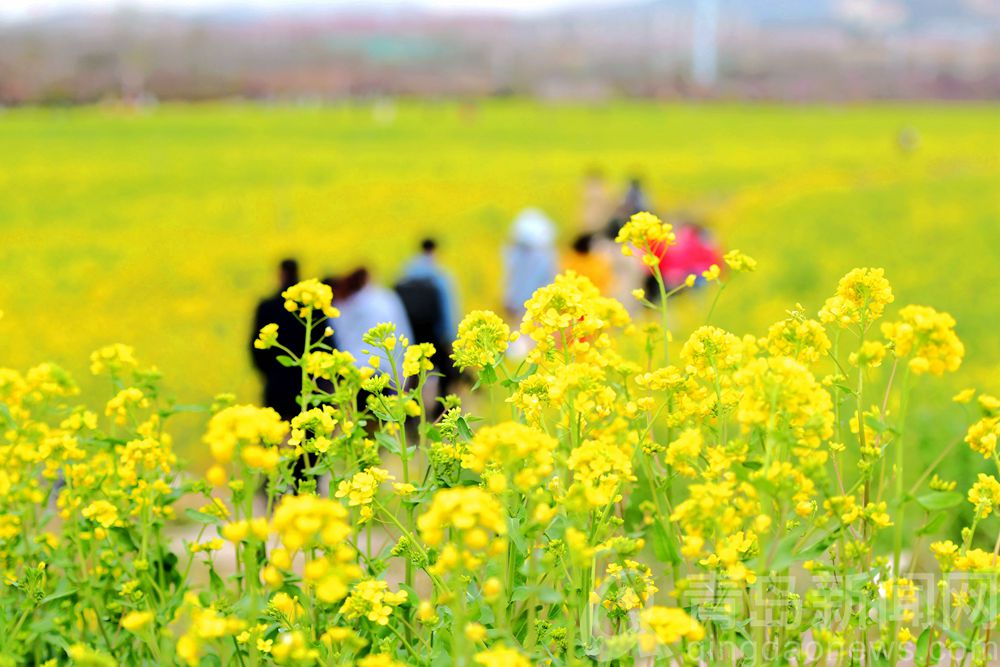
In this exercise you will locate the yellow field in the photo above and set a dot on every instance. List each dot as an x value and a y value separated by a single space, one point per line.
161 228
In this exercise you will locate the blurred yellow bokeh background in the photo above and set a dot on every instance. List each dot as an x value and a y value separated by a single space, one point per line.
161 228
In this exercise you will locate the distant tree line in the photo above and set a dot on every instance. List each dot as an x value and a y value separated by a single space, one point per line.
642 51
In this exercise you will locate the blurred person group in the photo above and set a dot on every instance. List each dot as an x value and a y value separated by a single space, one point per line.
532 258
422 306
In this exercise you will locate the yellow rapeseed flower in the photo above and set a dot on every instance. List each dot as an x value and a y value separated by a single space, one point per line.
482 337
102 512
470 511
643 230
927 335
310 295
861 297
501 656
243 425
136 620
667 625
373 600
522 452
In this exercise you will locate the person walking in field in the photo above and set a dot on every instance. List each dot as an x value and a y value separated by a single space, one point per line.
627 274
433 322
364 304
282 385
635 198
529 259
585 261
428 295
693 251
634 201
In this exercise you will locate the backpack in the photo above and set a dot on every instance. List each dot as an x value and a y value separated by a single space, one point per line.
424 307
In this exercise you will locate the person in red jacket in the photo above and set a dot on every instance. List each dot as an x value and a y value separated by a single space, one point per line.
693 251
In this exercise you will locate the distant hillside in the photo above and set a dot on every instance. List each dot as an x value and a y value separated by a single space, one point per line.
766 49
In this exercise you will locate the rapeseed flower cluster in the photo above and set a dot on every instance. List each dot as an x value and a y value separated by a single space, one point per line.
310 522
524 453
570 315
309 295
472 517
483 337
373 600
665 625
113 359
861 298
928 338
243 427
645 232
360 489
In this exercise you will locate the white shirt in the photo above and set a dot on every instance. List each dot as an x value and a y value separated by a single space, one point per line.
369 307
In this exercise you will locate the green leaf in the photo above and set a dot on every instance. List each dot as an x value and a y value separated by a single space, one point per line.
441 657
925 652
463 428
879 658
787 554
874 423
379 410
216 584
286 361
5 413
124 536
932 526
516 536
201 517
488 375
389 443
940 500
844 388
57 596
528 372
921 647
959 641
56 639
486 616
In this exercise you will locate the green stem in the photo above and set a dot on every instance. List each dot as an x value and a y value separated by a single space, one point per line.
664 319
306 396
715 302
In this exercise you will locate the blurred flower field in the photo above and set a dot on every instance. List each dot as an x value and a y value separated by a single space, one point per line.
160 228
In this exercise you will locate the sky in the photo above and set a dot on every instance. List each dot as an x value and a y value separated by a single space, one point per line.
22 9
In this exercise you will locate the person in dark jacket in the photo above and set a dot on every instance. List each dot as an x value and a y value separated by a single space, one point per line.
282 385
428 294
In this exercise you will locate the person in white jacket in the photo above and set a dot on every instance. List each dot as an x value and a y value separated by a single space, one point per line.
364 304
530 259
